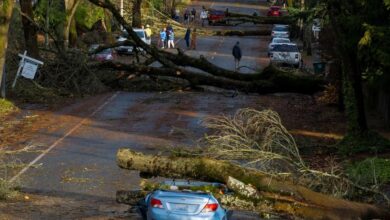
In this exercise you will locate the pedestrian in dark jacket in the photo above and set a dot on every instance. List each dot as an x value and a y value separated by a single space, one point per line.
237 54
187 37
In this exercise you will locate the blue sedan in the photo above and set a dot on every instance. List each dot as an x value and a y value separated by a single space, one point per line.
175 204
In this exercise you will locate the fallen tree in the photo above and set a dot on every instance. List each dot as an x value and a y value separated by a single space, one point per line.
285 195
175 65
269 81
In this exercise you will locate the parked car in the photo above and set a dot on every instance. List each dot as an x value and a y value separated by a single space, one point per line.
179 202
276 41
274 11
216 16
280 31
104 55
128 50
286 54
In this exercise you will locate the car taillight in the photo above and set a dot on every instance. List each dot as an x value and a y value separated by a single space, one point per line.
273 33
155 203
210 207
296 56
271 55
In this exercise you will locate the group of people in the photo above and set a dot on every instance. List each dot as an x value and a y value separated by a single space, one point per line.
167 40
167 37
190 16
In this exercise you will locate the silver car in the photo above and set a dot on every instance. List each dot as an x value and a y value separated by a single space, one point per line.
128 50
276 41
286 54
280 31
177 204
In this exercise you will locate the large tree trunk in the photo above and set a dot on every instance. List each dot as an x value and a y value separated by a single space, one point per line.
6 7
351 77
70 10
136 21
286 195
29 29
270 81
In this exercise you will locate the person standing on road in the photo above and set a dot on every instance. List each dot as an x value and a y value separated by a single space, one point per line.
171 39
203 16
163 37
193 40
187 37
168 31
193 14
148 32
186 16
237 55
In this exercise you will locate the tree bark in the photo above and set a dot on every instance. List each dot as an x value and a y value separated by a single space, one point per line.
6 8
351 78
29 29
286 195
137 22
70 10
270 81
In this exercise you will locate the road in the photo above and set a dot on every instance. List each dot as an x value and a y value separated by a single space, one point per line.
70 168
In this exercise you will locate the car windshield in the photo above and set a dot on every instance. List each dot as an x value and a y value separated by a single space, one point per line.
285 48
106 51
280 28
280 40
140 34
214 12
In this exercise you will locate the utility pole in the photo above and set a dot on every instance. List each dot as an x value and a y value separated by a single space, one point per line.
121 8
121 12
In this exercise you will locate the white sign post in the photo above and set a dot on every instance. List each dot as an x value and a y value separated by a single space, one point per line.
27 67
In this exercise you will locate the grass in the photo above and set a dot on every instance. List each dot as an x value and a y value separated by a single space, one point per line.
371 172
6 107
7 190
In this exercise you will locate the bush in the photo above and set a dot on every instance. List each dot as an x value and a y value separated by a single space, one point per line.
6 107
370 172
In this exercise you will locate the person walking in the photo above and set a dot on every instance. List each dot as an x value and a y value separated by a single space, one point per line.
187 37
171 39
193 39
163 37
237 55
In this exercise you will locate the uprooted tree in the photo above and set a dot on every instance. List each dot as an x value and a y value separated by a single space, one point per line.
255 156
286 195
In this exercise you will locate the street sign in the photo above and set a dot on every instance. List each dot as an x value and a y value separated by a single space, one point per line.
27 67
29 70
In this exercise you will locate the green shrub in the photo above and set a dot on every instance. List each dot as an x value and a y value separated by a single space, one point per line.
6 107
370 172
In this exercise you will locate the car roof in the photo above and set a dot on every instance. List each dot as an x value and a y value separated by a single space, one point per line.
281 25
281 38
274 7
182 193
